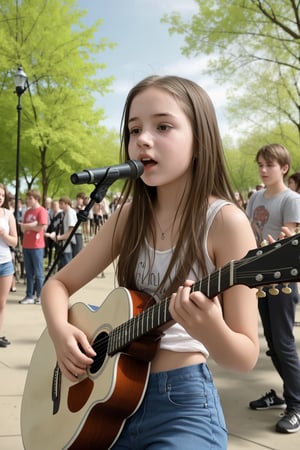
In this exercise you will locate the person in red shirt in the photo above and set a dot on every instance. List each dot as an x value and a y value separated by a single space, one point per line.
34 223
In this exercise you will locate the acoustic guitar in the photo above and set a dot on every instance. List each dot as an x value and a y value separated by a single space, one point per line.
57 414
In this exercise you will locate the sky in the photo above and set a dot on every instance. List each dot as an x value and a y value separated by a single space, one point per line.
145 47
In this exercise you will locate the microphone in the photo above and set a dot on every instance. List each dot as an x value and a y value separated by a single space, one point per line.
130 169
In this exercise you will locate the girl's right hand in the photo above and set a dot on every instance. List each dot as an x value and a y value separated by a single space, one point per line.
74 352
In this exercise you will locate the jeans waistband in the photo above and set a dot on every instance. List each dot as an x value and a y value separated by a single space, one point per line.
160 380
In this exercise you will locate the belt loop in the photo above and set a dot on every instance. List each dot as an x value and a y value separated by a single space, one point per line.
162 382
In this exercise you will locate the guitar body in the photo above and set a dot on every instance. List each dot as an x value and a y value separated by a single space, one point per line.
91 413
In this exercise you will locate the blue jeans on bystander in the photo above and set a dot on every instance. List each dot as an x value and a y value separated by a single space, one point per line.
33 262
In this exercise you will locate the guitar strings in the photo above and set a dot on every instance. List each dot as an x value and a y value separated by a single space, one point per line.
121 336
121 331
136 323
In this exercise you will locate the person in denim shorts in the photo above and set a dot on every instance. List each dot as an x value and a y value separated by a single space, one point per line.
8 238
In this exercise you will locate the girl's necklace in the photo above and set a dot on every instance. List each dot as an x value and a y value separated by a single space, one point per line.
163 233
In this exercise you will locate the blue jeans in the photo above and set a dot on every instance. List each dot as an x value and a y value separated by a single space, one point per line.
64 259
277 314
33 263
181 410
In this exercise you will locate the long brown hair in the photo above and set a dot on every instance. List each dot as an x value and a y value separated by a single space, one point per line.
209 178
6 197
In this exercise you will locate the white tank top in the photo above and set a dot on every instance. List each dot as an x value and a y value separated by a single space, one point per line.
150 270
5 253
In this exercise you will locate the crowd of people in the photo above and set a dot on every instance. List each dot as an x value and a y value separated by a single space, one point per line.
183 222
36 238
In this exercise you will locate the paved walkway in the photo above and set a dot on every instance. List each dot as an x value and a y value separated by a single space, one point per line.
248 430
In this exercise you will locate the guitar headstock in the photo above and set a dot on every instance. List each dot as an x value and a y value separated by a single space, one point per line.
273 264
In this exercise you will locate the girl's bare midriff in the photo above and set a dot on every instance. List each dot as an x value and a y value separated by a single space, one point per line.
168 360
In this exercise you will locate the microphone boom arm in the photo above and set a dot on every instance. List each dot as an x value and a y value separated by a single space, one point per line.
96 196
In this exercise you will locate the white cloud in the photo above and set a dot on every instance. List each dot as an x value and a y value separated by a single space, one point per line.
185 67
145 47
194 69
121 86
181 6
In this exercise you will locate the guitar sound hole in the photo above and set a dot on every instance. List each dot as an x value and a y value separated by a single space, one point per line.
100 347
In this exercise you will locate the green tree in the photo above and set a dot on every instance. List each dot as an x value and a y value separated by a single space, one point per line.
253 46
60 122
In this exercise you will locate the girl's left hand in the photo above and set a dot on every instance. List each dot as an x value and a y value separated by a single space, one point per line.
194 311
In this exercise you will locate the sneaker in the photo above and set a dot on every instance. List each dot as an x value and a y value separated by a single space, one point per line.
290 422
5 340
3 344
37 301
27 301
268 401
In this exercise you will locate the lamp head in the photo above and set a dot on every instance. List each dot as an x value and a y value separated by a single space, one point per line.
20 79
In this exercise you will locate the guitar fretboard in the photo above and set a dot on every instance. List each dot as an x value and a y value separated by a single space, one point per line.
157 315
276 263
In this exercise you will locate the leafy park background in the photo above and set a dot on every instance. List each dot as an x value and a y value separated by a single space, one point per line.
251 48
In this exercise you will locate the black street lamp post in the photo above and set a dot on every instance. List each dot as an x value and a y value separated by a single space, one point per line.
20 79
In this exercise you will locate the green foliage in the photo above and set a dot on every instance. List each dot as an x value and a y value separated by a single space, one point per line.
253 45
60 122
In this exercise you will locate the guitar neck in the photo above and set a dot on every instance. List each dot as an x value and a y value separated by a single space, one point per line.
276 263
216 282
158 315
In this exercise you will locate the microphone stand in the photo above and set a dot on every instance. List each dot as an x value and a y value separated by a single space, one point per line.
96 197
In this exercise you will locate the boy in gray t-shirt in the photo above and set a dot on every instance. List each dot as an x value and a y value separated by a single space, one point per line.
269 214
269 210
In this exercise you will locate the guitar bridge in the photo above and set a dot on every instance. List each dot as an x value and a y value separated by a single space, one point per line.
56 388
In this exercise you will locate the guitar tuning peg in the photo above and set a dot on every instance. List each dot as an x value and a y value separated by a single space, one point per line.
260 293
286 289
273 290
264 243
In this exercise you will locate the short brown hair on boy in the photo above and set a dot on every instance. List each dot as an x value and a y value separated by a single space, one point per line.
34 193
277 152
66 200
